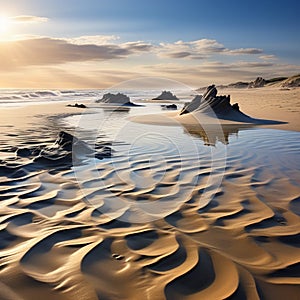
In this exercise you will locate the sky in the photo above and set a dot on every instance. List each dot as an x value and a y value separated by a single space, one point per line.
97 44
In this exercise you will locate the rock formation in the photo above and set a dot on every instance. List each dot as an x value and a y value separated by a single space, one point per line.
66 151
257 83
206 111
169 106
166 95
79 148
114 98
209 102
284 82
77 105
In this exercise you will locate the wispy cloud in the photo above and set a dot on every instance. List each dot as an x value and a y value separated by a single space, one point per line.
92 39
138 46
28 19
50 51
88 60
268 57
200 49
242 51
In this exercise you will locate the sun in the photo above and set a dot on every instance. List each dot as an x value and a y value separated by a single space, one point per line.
5 23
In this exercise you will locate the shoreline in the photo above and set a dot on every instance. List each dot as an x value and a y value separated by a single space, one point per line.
261 103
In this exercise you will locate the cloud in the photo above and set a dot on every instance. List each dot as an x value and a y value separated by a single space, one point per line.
138 46
92 39
179 54
244 51
87 60
218 72
245 64
50 51
207 46
28 19
99 40
200 49
268 57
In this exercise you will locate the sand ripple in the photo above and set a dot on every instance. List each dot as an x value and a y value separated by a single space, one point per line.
65 237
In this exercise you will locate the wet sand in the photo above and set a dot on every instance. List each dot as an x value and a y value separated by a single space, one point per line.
66 235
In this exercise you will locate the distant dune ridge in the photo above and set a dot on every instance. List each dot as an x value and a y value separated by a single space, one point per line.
293 81
284 82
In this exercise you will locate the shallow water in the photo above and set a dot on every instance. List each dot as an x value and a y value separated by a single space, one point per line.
175 213
149 156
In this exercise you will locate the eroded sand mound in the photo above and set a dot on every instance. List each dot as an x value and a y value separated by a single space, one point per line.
206 109
218 107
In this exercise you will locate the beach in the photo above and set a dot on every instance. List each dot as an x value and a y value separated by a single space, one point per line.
269 103
141 210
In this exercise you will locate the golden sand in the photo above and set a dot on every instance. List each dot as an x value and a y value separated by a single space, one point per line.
243 244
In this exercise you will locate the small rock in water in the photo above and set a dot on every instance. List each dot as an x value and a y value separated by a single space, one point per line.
77 105
169 106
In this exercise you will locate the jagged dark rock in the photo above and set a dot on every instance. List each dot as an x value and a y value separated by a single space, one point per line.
209 102
191 106
219 107
169 106
114 99
66 151
77 105
117 99
235 106
211 92
166 95
257 83
70 143
65 140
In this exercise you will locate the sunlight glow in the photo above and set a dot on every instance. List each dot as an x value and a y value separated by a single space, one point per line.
5 24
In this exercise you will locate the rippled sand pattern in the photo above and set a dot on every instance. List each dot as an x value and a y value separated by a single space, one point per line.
66 239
